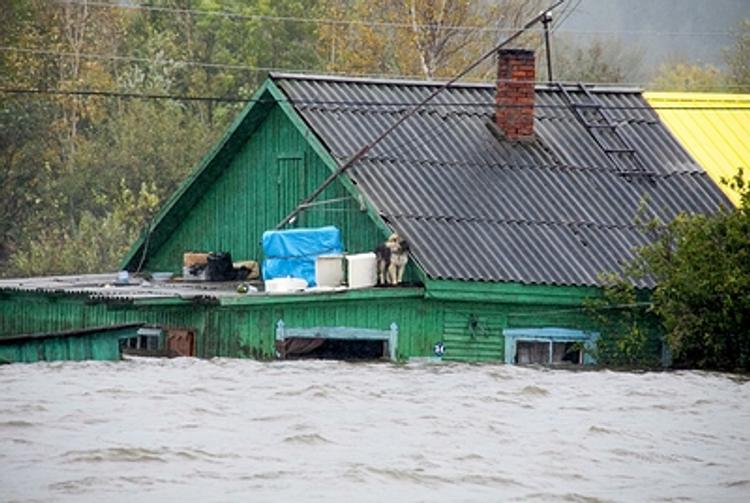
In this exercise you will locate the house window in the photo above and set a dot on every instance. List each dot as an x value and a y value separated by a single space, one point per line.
146 339
531 352
338 343
548 346
333 349
567 352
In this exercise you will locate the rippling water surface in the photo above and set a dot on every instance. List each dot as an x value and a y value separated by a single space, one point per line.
233 430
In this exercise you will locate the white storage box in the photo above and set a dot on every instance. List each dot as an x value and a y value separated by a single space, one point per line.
285 285
362 270
329 270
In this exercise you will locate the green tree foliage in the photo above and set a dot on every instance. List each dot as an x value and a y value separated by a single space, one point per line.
688 77
96 244
682 76
26 153
738 56
427 38
64 158
629 334
599 60
155 143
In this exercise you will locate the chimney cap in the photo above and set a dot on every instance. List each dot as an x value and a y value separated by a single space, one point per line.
518 53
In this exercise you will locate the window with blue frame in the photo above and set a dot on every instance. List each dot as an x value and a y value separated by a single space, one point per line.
549 346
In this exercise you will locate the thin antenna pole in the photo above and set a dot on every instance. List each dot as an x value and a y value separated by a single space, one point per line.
546 20
364 150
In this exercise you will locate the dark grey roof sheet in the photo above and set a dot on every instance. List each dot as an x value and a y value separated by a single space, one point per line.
104 287
474 207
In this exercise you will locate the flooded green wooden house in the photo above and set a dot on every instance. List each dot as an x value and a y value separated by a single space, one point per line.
513 197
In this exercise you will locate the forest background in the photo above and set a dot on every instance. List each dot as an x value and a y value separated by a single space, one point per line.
105 107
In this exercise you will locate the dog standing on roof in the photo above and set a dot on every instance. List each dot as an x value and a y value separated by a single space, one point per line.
392 257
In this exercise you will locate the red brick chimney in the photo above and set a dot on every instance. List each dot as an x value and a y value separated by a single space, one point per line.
514 114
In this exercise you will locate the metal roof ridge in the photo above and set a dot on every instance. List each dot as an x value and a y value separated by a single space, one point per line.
343 79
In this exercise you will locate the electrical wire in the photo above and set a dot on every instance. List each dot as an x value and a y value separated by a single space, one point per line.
264 70
264 17
136 59
352 104
358 22
566 14
116 94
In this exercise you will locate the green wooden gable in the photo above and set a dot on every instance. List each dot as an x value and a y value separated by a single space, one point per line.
262 167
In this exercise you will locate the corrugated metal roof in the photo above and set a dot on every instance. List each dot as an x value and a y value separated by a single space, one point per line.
714 128
551 211
104 286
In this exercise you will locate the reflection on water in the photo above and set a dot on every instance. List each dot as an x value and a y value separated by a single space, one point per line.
225 430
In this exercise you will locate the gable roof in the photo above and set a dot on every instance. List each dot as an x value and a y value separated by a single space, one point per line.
476 207
714 128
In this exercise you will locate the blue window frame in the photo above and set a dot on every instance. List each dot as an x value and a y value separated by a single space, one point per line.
547 345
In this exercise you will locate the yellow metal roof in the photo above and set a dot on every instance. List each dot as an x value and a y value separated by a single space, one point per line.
714 128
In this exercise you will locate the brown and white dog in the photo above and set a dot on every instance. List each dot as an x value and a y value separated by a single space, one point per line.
392 256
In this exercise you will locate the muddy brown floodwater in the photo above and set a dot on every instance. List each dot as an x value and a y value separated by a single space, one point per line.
232 430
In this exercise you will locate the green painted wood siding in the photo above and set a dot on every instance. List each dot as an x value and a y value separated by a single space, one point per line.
241 331
474 333
249 331
274 169
96 346
33 313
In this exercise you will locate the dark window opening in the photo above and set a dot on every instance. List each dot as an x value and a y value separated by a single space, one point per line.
334 349
566 352
538 352
147 342
140 342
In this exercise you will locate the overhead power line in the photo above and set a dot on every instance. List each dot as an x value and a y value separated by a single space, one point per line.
567 11
121 94
343 103
268 69
198 64
135 59
370 23
264 17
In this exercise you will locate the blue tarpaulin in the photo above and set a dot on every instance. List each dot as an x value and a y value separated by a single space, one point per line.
293 252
